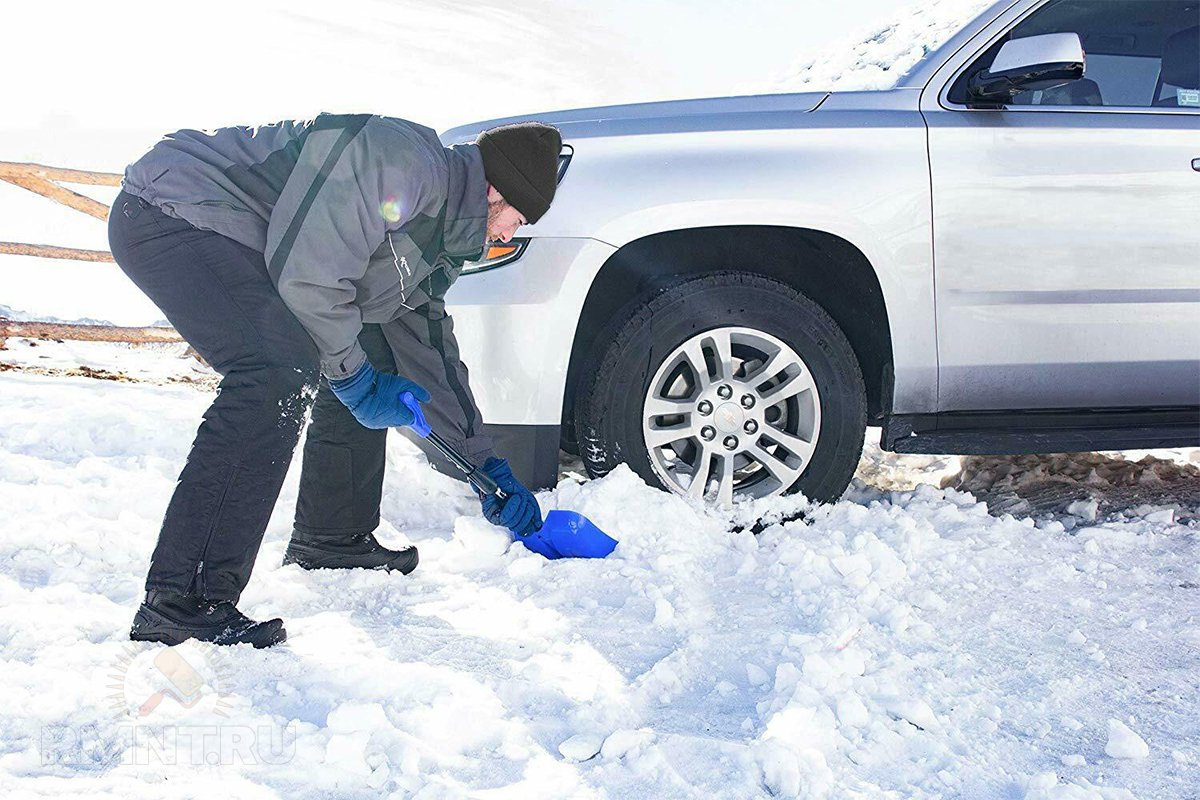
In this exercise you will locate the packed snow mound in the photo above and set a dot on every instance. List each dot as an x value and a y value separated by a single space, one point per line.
879 56
1088 486
902 642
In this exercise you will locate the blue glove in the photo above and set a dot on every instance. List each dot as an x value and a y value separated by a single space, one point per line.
518 512
373 397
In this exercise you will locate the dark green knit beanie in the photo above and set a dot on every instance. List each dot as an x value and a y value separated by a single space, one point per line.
521 161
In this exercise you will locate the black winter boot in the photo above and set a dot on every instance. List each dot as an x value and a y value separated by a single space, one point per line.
359 550
173 618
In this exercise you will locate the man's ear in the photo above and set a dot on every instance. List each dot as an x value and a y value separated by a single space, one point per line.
493 196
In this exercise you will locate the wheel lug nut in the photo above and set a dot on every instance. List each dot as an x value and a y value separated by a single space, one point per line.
704 407
747 401
724 392
731 442
751 426
708 433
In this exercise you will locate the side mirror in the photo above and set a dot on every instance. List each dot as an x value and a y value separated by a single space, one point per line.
1035 62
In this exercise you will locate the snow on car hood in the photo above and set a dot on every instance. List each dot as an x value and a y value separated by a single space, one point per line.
877 57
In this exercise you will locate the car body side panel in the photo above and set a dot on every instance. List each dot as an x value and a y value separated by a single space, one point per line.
1066 249
1068 273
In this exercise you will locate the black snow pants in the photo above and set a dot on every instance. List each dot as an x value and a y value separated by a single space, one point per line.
218 295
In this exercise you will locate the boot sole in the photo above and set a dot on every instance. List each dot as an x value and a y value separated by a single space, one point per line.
151 626
404 562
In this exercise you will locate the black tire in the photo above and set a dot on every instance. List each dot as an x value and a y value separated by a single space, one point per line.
615 376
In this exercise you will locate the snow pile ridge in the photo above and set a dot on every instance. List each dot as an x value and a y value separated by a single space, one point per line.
878 57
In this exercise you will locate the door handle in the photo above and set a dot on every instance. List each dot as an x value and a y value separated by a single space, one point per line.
1196 164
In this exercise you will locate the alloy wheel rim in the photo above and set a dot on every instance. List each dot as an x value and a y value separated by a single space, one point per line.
731 412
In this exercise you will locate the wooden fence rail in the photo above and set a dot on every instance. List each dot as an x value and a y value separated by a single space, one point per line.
45 180
61 331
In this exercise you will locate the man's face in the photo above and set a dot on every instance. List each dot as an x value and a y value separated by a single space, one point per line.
503 220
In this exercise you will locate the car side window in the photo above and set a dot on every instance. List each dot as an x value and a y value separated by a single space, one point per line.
1138 53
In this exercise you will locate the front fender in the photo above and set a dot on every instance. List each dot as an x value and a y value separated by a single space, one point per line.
862 176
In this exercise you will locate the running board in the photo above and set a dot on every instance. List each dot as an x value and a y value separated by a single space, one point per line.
1046 431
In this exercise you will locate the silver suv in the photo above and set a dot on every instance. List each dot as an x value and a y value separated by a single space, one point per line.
999 255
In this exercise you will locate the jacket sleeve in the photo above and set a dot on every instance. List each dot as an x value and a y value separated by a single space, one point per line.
355 179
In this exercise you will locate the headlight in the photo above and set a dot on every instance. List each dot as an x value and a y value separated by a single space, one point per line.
564 158
498 255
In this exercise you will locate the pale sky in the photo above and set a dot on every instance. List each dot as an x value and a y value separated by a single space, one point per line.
154 66
91 85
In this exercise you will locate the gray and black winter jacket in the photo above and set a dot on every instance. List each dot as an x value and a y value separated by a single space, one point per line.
360 218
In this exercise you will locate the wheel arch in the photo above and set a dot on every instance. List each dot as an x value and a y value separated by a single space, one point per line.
827 268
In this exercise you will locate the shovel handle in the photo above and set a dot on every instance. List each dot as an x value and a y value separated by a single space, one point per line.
478 478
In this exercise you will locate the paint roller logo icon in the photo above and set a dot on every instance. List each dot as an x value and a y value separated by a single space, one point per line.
185 684
185 678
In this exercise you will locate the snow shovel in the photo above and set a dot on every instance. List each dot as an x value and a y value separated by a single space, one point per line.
568 534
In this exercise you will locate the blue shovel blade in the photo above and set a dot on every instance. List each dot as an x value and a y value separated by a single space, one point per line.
574 536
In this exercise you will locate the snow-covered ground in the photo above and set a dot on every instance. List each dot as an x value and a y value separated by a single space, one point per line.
153 361
904 642
162 362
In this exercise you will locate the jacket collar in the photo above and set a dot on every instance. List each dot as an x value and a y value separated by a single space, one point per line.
466 203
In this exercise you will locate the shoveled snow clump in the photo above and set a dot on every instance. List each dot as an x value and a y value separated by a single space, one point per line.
1123 742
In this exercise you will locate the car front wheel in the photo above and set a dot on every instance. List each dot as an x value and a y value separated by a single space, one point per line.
724 386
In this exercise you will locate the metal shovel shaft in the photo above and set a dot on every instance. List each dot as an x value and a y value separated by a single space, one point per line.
479 479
